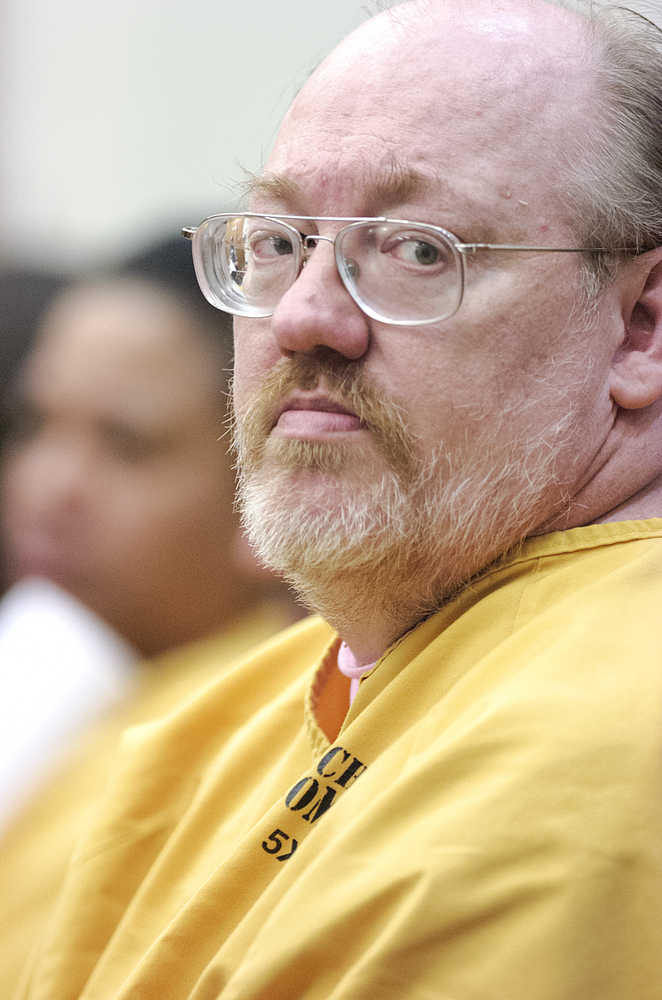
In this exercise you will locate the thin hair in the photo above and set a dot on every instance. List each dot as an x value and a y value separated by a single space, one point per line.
615 167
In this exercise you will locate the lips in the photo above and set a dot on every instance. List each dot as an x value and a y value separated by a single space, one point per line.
314 415
39 555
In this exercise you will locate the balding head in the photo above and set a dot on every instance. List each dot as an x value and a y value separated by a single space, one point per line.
474 80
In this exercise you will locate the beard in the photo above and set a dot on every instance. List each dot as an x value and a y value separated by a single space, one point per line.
395 546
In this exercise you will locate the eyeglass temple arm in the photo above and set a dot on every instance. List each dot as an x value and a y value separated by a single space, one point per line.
474 247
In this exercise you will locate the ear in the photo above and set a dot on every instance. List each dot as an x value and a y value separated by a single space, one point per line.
636 376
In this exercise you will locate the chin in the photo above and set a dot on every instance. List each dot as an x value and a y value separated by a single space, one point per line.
414 541
303 519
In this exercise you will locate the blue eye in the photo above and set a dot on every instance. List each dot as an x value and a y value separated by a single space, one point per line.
417 252
281 245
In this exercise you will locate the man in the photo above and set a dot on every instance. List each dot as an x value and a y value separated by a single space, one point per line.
455 345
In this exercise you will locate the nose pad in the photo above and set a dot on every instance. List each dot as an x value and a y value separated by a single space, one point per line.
311 241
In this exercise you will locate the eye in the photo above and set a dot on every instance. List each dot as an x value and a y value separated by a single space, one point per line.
419 252
269 246
424 253
131 445
416 251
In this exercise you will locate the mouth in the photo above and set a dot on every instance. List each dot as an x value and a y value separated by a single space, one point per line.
314 415
40 556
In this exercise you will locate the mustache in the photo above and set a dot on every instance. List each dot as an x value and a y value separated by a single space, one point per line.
347 383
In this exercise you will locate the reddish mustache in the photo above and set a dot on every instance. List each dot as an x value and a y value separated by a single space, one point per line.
342 385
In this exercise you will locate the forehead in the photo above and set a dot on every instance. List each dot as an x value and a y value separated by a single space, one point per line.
121 349
459 113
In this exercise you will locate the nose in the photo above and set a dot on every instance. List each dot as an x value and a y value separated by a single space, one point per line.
318 311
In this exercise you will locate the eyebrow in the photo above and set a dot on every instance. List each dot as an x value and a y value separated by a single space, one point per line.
274 186
396 184
386 188
392 185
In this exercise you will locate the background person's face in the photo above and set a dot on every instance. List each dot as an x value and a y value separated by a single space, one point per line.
116 485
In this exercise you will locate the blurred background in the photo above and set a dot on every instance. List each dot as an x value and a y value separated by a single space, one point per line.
125 582
120 120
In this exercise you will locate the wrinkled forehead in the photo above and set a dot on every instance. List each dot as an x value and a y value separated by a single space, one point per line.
471 92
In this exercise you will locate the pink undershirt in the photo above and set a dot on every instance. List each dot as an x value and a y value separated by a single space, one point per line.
348 665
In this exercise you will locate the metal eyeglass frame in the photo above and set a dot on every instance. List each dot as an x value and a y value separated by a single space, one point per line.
460 250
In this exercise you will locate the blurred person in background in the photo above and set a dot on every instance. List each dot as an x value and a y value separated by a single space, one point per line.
111 483
49 642
117 514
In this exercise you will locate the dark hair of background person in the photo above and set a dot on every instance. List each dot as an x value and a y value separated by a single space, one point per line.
24 297
169 263
25 294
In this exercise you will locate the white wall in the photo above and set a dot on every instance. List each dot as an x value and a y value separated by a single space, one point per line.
120 117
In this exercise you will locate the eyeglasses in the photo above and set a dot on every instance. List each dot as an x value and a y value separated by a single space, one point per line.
398 272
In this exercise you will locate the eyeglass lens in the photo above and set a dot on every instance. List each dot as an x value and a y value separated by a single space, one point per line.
394 271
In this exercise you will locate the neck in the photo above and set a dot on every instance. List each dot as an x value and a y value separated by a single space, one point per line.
367 616
598 506
623 481
643 505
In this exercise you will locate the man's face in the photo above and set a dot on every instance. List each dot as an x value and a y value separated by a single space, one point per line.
115 484
477 429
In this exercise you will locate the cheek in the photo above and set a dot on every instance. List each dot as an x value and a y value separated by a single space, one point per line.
174 506
417 375
29 487
255 352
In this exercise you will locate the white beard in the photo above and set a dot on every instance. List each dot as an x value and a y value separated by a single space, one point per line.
395 549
